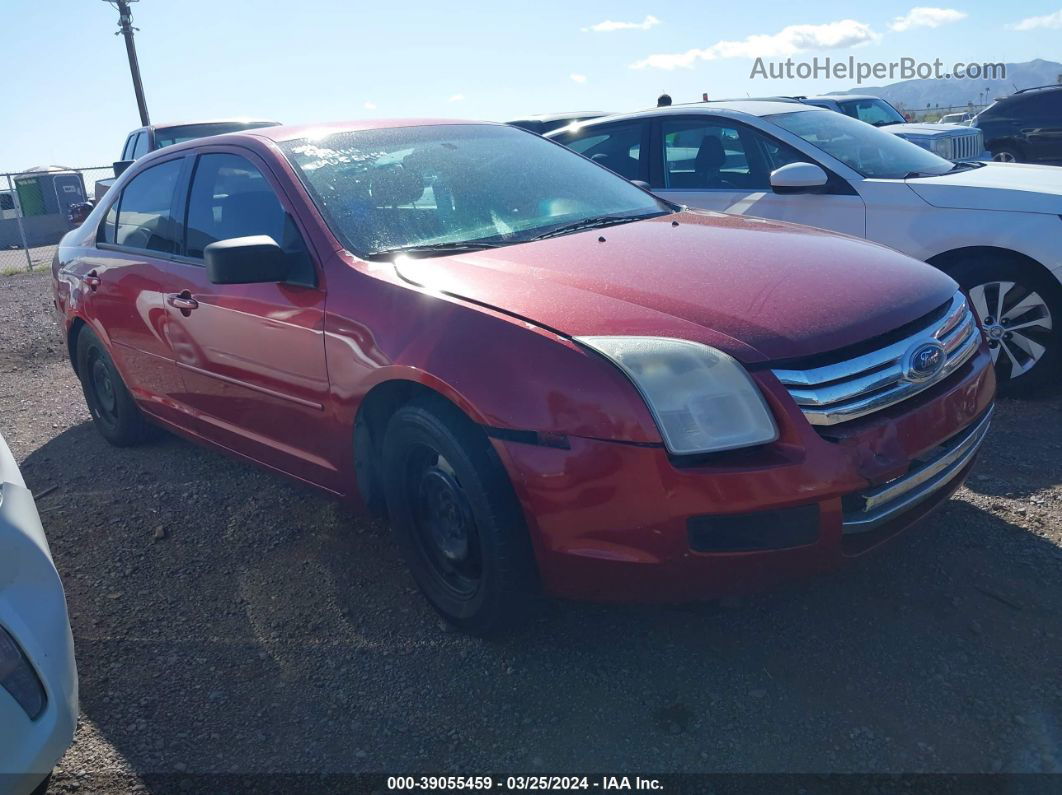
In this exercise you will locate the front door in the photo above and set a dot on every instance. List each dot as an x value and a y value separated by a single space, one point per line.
251 356
715 163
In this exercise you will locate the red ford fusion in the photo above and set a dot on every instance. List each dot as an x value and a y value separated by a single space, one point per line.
551 381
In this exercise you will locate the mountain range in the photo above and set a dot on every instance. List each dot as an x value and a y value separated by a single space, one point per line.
939 92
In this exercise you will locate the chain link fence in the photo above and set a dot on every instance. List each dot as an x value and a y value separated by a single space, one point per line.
35 212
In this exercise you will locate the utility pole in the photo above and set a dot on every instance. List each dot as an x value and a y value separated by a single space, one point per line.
125 28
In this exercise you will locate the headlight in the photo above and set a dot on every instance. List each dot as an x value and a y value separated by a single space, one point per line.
18 678
702 400
941 146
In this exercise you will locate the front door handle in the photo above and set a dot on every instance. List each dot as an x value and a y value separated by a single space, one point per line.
183 301
92 280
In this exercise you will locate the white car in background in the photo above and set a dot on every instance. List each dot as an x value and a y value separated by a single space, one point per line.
952 141
994 227
38 678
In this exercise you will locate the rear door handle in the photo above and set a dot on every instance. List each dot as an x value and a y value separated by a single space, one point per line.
92 280
182 301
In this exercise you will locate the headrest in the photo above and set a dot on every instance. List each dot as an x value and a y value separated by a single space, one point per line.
393 185
710 157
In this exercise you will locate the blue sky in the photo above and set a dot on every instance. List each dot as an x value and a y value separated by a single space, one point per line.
67 98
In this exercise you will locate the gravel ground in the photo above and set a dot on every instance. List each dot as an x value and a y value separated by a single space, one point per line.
227 620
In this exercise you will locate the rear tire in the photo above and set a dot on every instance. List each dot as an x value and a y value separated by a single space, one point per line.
113 410
1021 311
456 518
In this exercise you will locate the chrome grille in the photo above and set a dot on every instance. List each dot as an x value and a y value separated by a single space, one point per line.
864 384
967 147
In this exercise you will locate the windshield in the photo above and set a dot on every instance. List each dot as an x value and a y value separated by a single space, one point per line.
168 136
446 185
870 151
873 111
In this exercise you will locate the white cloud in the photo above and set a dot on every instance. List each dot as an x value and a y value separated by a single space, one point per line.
578 78
788 41
608 26
923 17
1050 21
369 105
457 98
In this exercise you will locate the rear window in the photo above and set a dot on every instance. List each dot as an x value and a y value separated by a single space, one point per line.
168 136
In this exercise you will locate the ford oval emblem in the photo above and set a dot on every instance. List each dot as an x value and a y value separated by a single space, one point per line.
924 361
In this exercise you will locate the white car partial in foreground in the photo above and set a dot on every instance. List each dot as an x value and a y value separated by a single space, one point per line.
38 678
995 227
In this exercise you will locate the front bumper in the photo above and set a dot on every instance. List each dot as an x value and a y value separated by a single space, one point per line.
626 522
33 611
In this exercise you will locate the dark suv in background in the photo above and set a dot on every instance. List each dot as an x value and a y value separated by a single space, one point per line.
1025 127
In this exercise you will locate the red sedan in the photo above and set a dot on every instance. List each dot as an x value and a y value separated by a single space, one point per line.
549 379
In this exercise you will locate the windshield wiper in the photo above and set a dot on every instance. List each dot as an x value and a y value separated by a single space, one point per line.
594 222
453 247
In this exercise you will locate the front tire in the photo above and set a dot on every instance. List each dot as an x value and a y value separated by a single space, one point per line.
1021 311
1007 154
456 518
113 410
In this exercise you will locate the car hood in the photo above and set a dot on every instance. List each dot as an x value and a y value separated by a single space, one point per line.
929 129
759 290
1015 187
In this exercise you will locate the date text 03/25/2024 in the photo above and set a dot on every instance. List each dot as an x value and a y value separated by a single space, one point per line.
520 783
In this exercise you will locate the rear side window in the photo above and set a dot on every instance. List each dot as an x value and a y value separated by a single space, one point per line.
127 150
145 219
1043 104
618 148
140 148
231 198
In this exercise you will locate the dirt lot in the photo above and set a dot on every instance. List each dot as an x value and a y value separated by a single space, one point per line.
227 620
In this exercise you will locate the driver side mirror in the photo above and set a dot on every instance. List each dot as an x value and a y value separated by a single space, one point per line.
798 178
120 166
246 260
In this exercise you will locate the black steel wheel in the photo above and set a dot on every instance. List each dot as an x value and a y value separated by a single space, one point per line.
455 515
113 410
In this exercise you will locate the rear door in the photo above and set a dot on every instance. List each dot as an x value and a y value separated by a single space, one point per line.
126 277
719 164
251 356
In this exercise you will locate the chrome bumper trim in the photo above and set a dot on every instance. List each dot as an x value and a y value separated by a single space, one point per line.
886 502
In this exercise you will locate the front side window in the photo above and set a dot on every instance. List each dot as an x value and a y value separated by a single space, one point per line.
868 150
231 198
617 147
708 154
873 111
145 219
435 188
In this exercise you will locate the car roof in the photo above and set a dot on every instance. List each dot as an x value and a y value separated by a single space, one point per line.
291 132
575 114
753 107
196 123
845 97
1052 87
